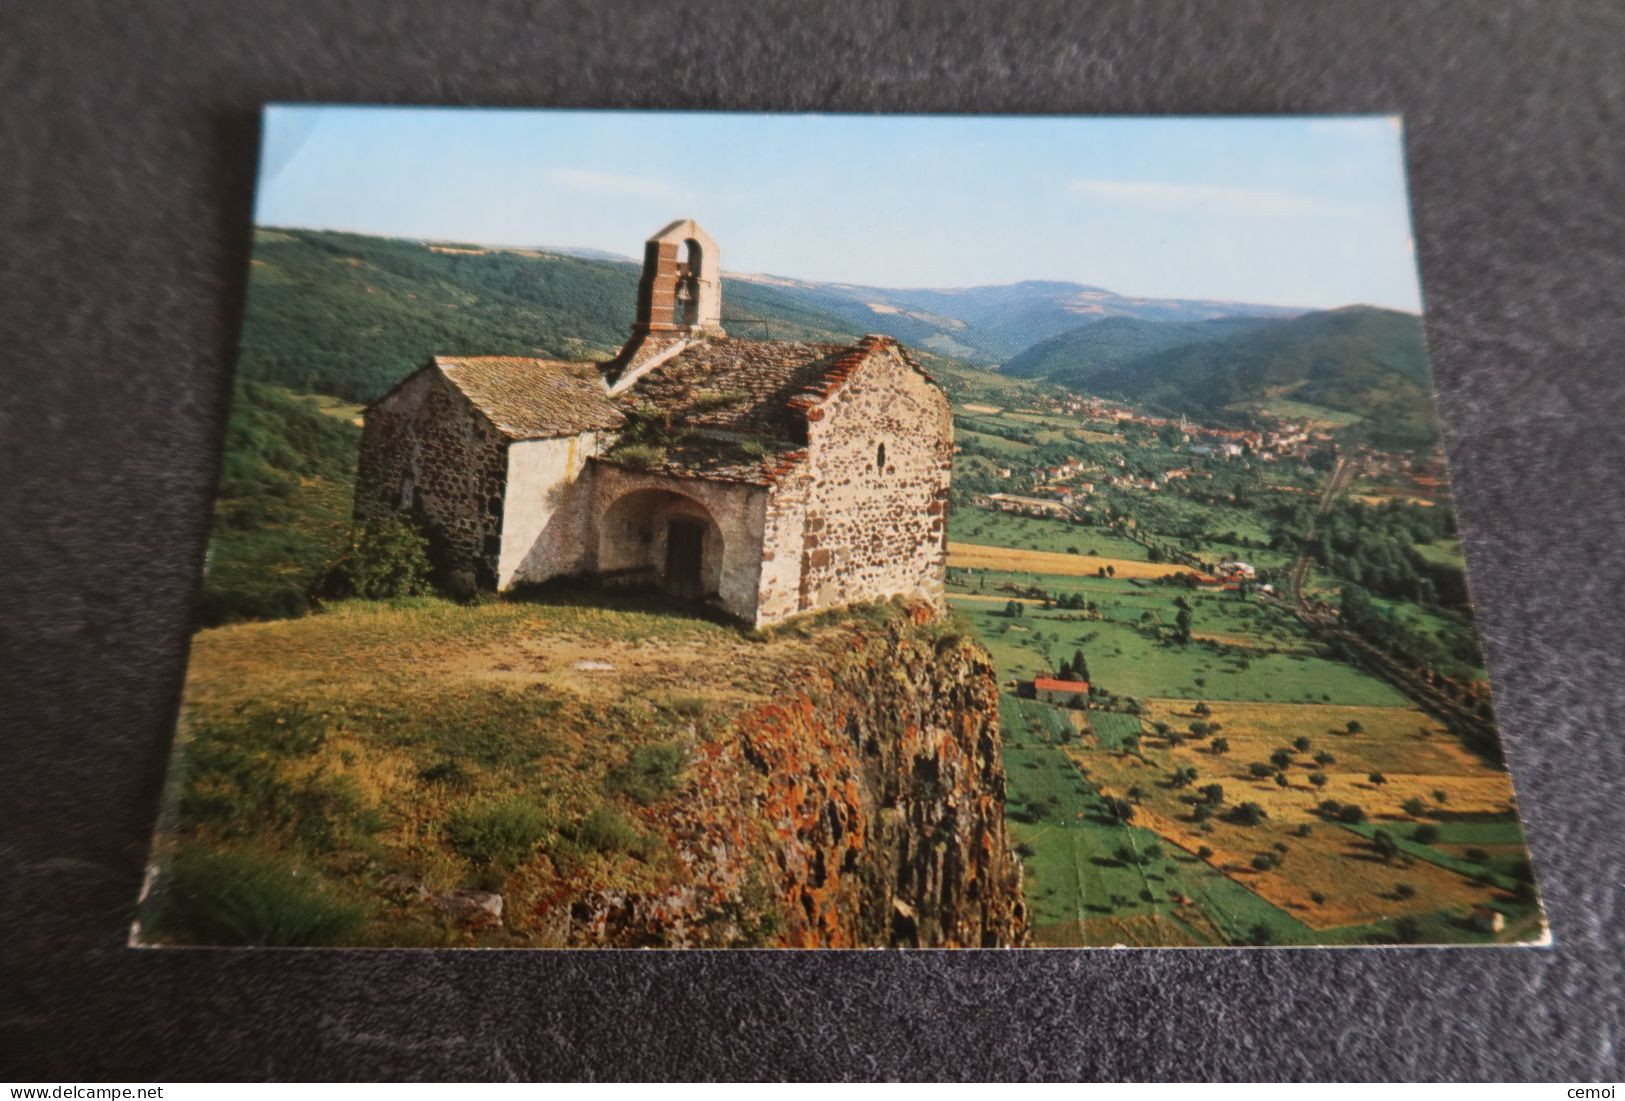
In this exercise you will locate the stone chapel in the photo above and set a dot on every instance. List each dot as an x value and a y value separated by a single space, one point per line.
766 478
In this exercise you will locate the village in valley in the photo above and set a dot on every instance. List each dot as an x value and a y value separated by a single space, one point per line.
1234 710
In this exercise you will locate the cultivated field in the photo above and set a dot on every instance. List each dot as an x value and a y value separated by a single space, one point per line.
971 556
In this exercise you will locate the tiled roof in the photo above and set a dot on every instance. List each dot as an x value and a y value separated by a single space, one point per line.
723 408
752 387
730 408
1051 684
533 398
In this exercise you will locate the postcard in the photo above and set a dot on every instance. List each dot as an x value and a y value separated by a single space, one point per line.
661 530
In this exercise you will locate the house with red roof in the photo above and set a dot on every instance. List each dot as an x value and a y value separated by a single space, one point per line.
1057 691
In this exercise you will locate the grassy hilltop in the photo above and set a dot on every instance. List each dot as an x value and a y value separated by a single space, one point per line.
418 772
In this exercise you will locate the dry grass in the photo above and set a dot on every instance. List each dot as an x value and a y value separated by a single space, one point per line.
424 708
969 556
1416 757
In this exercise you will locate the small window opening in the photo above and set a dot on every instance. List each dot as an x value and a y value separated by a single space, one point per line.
880 458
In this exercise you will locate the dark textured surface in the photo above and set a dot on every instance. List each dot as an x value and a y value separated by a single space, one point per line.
128 134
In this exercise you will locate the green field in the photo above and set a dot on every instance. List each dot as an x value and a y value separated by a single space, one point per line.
1111 727
1446 552
1264 656
991 528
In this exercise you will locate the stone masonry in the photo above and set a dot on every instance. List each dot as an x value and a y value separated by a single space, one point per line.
767 478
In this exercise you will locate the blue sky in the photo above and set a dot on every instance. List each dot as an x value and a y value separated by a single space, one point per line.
1307 211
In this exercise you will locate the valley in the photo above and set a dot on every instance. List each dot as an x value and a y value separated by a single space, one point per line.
1229 524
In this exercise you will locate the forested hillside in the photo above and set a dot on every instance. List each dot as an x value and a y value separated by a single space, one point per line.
282 511
1367 362
349 315
1078 357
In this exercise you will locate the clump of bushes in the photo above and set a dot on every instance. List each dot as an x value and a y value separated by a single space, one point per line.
387 557
1351 813
606 830
229 897
649 774
639 456
498 834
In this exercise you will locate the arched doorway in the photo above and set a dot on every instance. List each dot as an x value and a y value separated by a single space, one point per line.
661 538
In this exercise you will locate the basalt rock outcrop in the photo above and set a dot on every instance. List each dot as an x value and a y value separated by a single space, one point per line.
862 806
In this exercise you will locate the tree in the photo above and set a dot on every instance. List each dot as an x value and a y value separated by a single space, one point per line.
1280 780
1080 665
1323 759
1182 626
1354 726
1212 793
1013 609
1259 771
1202 709
1377 778
1220 745
1248 814
1281 758
1318 779
1426 834
1301 743
1387 848
1414 807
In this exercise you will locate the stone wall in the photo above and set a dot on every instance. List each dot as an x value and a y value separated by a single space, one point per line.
426 451
632 535
867 517
547 521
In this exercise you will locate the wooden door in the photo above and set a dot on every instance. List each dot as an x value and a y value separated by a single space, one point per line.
685 544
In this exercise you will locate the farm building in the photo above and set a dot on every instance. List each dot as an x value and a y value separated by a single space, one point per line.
766 478
1054 690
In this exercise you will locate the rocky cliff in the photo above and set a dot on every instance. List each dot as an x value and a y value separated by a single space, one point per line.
534 774
862 806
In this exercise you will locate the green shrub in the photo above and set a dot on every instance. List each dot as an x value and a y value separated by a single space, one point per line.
606 830
498 834
650 774
639 456
388 557
237 898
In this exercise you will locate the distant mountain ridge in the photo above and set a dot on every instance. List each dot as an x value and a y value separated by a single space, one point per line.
990 324
350 315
